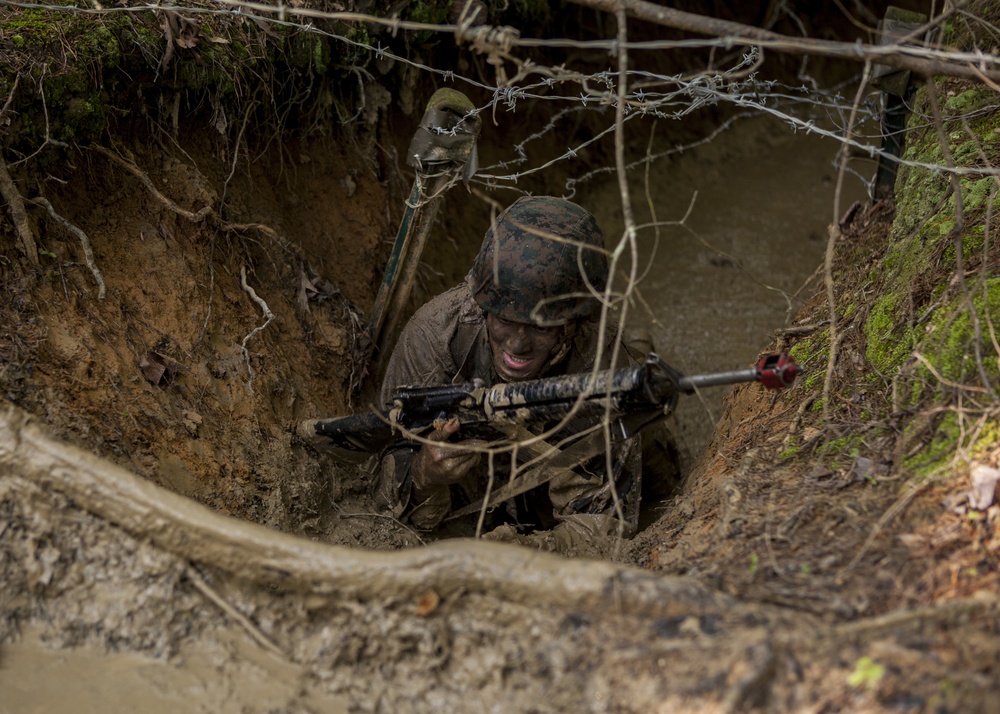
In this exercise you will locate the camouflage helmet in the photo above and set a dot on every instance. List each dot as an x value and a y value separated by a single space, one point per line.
528 269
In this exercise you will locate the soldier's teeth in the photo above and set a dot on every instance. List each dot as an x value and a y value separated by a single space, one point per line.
514 362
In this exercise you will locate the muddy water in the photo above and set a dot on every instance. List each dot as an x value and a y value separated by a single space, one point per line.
227 675
757 200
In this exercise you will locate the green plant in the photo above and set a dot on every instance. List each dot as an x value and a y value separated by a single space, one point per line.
866 672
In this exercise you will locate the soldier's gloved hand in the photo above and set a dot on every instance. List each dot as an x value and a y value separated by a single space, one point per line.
442 463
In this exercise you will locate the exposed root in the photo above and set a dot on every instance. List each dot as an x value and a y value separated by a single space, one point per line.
245 622
267 314
84 241
141 175
288 563
17 213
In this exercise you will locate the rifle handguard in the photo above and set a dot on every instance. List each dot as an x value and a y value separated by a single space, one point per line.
648 391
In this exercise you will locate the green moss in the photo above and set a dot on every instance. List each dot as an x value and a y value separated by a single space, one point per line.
811 355
950 342
429 12
968 100
889 341
976 193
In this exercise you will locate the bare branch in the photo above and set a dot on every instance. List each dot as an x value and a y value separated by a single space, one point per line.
737 33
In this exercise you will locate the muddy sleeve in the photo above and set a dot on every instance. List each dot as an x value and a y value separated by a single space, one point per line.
421 358
395 489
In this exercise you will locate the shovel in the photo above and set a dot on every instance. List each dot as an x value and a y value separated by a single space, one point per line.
442 150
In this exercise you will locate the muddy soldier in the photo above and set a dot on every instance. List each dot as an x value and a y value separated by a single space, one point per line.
526 310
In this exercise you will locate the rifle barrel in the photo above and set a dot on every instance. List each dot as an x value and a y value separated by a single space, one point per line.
698 381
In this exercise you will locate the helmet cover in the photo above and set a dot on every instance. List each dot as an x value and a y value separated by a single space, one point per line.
541 262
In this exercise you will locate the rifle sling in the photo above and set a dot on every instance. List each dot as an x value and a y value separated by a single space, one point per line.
561 460
579 453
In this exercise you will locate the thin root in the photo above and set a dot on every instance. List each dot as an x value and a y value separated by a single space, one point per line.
84 241
267 314
259 637
140 174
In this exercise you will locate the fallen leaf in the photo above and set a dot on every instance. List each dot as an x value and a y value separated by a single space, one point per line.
428 603
984 486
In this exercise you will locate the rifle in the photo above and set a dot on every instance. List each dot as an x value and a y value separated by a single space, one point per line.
642 393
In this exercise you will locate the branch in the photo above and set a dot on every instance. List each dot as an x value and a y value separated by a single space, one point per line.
737 33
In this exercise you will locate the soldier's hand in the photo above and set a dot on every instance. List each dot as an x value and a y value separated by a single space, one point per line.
442 462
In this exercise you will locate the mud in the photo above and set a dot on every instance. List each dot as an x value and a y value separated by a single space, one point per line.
744 229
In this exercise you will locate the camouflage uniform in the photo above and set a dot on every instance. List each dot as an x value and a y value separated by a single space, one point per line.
446 342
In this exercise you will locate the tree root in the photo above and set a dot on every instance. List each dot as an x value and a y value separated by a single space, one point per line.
141 175
268 315
242 620
255 554
84 241
17 213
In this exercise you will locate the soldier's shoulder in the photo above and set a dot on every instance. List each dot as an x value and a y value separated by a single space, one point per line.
452 306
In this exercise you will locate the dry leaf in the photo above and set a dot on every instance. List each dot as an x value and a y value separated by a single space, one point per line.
428 603
984 486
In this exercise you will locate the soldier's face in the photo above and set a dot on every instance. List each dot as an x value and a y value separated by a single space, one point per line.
521 351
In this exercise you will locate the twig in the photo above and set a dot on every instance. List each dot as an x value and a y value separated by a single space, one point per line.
84 241
382 516
895 621
831 244
17 213
938 376
914 59
267 314
900 505
803 330
10 99
140 174
259 637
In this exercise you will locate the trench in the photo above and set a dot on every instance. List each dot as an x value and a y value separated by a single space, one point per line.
716 288
744 227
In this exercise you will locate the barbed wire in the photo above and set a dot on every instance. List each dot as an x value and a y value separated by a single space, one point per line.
804 108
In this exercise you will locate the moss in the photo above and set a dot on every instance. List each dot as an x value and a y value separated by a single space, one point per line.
976 193
811 355
941 447
889 342
969 100
950 342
